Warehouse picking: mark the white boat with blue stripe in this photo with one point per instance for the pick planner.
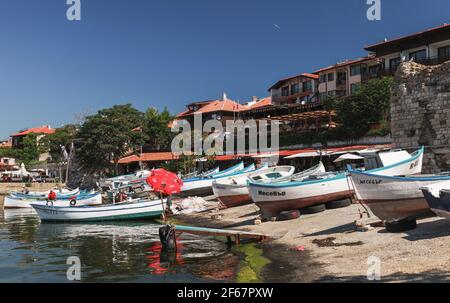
(393, 198)
(203, 186)
(130, 210)
(82, 199)
(273, 198)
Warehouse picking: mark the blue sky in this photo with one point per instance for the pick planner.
(167, 53)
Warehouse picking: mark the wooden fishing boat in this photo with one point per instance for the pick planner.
(131, 210)
(203, 186)
(273, 198)
(438, 198)
(196, 174)
(87, 199)
(393, 198)
(60, 193)
(233, 191)
(134, 189)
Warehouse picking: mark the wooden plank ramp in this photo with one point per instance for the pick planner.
(228, 233)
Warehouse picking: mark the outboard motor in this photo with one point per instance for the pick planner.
(168, 238)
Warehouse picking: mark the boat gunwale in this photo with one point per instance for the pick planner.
(338, 176)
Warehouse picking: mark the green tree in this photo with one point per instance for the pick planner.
(109, 135)
(30, 150)
(63, 136)
(156, 128)
(368, 106)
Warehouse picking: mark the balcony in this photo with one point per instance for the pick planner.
(291, 98)
(433, 60)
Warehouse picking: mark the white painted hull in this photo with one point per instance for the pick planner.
(288, 196)
(392, 198)
(11, 202)
(277, 197)
(203, 186)
(120, 211)
(234, 191)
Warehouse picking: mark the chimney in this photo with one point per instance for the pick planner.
(224, 97)
(255, 99)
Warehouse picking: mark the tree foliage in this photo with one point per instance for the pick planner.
(63, 136)
(156, 129)
(109, 135)
(368, 106)
(30, 150)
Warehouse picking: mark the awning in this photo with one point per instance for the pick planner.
(265, 156)
(348, 157)
(307, 155)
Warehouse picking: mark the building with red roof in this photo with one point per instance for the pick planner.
(221, 110)
(343, 78)
(40, 131)
(299, 89)
(429, 47)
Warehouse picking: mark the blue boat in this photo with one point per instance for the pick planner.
(438, 198)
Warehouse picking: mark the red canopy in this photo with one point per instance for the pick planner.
(164, 181)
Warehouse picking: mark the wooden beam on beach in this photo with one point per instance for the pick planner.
(228, 233)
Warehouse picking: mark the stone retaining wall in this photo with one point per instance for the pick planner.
(420, 112)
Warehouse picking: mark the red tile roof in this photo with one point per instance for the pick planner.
(226, 105)
(261, 103)
(148, 157)
(36, 130)
(442, 27)
(167, 156)
(345, 63)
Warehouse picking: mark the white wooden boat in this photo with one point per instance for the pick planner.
(43, 194)
(233, 191)
(82, 200)
(393, 198)
(437, 196)
(133, 210)
(203, 186)
(272, 198)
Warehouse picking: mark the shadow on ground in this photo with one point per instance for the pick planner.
(431, 276)
(346, 228)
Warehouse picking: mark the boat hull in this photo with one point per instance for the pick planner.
(115, 212)
(11, 202)
(272, 209)
(439, 205)
(203, 186)
(392, 198)
(274, 199)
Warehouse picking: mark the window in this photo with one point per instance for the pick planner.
(444, 52)
(330, 77)
(374, 71)
(285, 91)
(355, 70)
(295, 89)
(307, 86)
(353, 88)
(323, 78)
(394, 63)
(323, 96)
(422, 54)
